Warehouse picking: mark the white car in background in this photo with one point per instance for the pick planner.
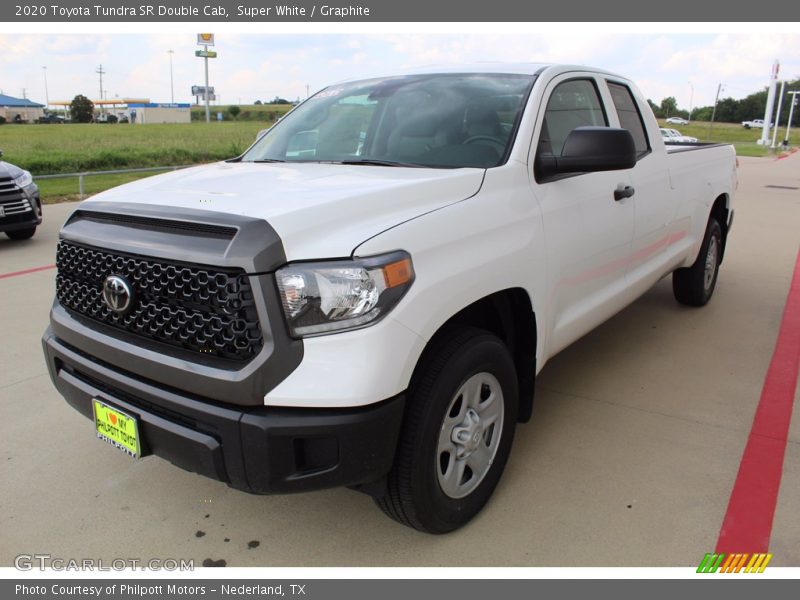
(755, 124)
(677, 121)
(673, 136)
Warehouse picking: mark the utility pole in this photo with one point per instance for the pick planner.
(691, 100)
(778, 115)
(306, 90)
(24, 93)
(46, 94)
(171, 83)
(714, 112)
(793, 94)
(100, 72)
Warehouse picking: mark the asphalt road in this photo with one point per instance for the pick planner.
(635, 443)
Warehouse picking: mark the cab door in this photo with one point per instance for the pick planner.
(588, 233)
(653, 250)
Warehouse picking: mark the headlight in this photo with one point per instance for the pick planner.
(23, 178)
(325, 297)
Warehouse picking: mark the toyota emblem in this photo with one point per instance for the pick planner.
(117, 294)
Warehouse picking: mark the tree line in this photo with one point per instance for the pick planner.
(730, 110)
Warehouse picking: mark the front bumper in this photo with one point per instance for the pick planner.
(261, 450)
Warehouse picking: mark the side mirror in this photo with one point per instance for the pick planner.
(1, 154)
(591, 149)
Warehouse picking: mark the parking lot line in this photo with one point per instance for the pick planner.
(747, 525)
(26, 271)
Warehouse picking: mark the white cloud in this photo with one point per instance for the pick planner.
(256, 66)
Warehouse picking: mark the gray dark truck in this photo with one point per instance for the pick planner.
(20, 204)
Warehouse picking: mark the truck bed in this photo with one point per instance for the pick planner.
(674, 147)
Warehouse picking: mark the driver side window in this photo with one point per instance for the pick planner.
(574, 103)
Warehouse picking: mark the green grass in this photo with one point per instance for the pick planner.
(744, 140)
(69, 148)
(72, 148)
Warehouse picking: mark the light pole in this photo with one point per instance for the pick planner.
(793, 94)
(46, 94)
(691, 100)
(778, 115)
(720, 87)
(773, 81)
(171, 83)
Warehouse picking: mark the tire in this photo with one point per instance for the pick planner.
(695, 285)
(436, 484)
(21, 234)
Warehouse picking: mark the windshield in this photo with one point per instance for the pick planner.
(443, 121)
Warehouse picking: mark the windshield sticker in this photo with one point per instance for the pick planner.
(328, 93)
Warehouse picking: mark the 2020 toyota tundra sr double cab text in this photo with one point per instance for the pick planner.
(364, 297)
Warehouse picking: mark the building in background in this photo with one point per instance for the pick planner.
(118, 107)
(20, 110)
(152, 112)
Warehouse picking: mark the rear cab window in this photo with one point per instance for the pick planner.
(629, 116)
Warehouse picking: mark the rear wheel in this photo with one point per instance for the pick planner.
(695, 285)
(21, 234)
(457, 433)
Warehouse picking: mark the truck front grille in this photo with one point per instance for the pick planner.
(12, 200)
(207, 310)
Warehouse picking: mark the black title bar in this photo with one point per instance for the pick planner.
(261, 11)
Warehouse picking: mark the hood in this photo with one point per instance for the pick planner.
(318, 210)
(6, 169)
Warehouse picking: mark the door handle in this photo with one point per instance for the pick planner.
(623, 192)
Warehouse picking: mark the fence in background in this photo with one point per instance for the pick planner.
(84, 174)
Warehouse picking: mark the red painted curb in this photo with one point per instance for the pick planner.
(26, 271)
(748, 521)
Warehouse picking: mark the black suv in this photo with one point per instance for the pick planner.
(20, 204)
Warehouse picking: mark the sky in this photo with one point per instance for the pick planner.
(686, 66)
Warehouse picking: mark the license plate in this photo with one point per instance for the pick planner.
(117, 428)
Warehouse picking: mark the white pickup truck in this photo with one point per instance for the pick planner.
(755, 124)
(364, 297)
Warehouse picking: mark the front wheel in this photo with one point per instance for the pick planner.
(695, 285)
(21, 234)
(457, 434)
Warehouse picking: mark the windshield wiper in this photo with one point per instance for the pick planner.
(268, 160)
(378, 163)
